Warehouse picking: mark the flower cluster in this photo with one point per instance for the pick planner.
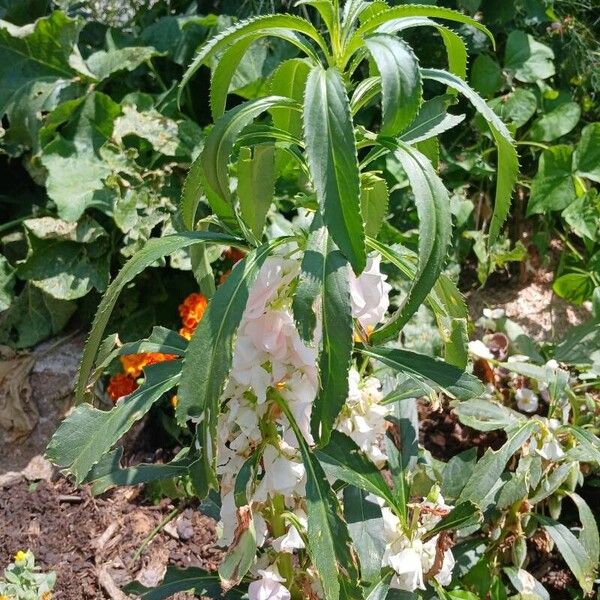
(191, 311)
(271, 360)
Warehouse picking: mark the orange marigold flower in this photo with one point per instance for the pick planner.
(134, 363)
(234, 254)
(120, 385)
(186, 332)
(191, 311)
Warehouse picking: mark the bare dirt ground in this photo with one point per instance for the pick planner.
(90, 542)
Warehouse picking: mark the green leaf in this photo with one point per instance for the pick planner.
(256, 185)
(573, 551)
(104, 63)
(108, 473)
(588, 536)
(176, 580)
(262, 26)
(587, 154)
(487, 472)
(240, 556)
(462, 516)
(486, 76)
(583, 215)
(38, 52)
(457, 472)
(552, 188)
(66, 260)
(337, 342)
(402, 445)
(528, 59)
(152, 251)
(508, 164)
(88, 433)
(526, 584)
(310, 281)
(331, 153)
(575, 287)
(400, 81)
(454, 382)
(32, 317)
(589, 442)
(365, 525)
(484, 415)
(556, 123)
(329, 543)
(435, 228)
(517, 107)
(7, 284)
(219, 143)
(374, 198)
(342, 459)
(431, 120)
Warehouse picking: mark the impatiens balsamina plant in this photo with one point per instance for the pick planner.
(313, 464)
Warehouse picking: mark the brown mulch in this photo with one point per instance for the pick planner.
(79, 536)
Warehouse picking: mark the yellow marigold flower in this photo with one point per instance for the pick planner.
(134, 363)
(20, 556)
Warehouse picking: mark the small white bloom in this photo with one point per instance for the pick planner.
(518, 358)
(282, 476)
(552, 364)
(407, 565)
(289, 542)
(369, 293)
(444, 577)
(494, 313)
(527, 400)
(478, 349)
(269, 586)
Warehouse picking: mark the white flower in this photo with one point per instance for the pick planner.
(282, 476)
(444, 577)
(527, 400)
(289, 542)
(269, 586)
(407, 565)
(369, 293)
(545, 442)
(494, 313)
(552, 364)
(518, 358)
(478, 349)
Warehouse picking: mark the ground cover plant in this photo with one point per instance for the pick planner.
(287, 378)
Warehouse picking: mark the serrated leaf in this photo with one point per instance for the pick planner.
(431, 120)
(256, 185)
(572, 550)
(454, 382)
(152, 251)
(88, 433)
(508, 164)
(587, 154)
(342, 459)
(556, 123)
(435, 228)
(400, 81)
(337, 343)
(331, 152)
(552, 187)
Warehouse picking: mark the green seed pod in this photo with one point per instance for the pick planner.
(555, 506)
(519, 552)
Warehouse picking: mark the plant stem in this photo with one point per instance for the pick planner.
(284, 560)
(156, 531)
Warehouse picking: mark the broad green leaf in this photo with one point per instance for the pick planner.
(587, 154)
(580, 345)
(310, 282)
(256, 185)
(528, 59)
(552, 188)
(556, 123)
(465, 514)
(454, 382)
(88, 433)
(32, 317)
(402, 446)
(329, 544)
(108, 472)
(575, 287)
(457, 472)
(517, 107)
(588, 536)
(337, 343)
(400, 81)
(262, 25)
(21, 12)
(104, 63)
(176, 580)
(374, 198)
(240, 555)
(66, 260)
(37, 52)
(365, 525)
(289, 80)
(431, 120)
(583, 215)
(486, 76)
(573, 551)
(342, 459)
(526, 584)
(331, 153)
(508, 164)
(487, 472)
(435, 228)
(484, 415)
(589, 442)
(219, 143)
(152, 251)
(551, 482)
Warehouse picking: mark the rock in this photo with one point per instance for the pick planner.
(38, 469)
(10, 478)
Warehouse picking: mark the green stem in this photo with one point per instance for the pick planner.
(534, 144)
(278, 527)
(156, 531)
(161, 83)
